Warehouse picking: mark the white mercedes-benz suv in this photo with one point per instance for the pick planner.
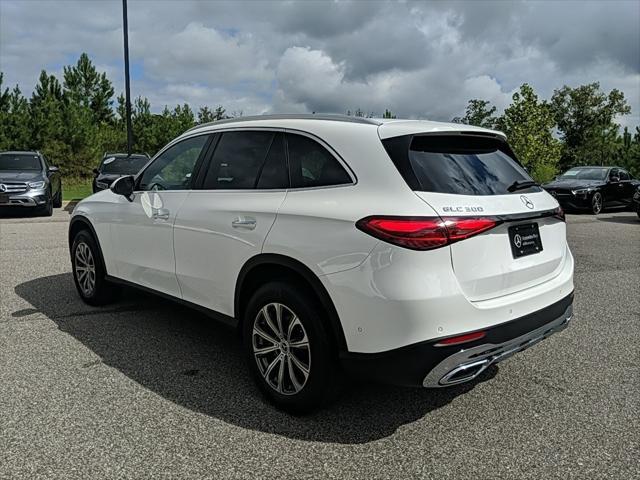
(413, 252)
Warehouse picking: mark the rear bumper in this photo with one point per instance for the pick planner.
(424, 364)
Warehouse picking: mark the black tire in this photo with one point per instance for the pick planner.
(319, 386)
(57, 201)
(102, 291)
(597, 203)
(47, 209)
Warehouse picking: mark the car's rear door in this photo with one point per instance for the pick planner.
(142, 228)
(225, 221)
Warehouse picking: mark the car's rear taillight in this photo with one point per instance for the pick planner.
(424, 233)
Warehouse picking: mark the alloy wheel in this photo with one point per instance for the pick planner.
(85, 269)
(281, 348)
(596, 203)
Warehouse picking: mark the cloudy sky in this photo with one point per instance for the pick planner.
(419, 59)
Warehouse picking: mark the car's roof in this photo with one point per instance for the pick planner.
(19, 152)
(604, 167)
(125, 155)
(386, 127)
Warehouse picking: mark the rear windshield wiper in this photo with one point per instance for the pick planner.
(521, 185)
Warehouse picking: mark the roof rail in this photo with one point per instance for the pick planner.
(293, 116)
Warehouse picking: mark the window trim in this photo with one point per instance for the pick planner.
(196, 167)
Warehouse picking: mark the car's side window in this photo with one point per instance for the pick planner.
(623, 175)
(274, 173)
(238, 160)
(613, 173)
(173, 169)
(311, 165)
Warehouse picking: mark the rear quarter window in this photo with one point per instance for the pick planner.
(457, 164)
(311, 165)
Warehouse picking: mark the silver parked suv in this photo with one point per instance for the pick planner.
(28, 180)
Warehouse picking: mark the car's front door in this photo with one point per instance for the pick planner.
(142, 230)
(613, 189)
(627, 189)
(225, 221)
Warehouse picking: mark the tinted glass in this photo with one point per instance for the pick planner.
(312, 165)
(464, 165)
(624, 175)
(274, 172)
(123, 165)
(237, 160)
(589, 173)
(19, 161)
(173, 169)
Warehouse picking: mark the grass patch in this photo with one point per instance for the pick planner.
(76, 188)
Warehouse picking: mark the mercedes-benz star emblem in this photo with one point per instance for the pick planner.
(527, 203)
(3, 187)
(517, 240)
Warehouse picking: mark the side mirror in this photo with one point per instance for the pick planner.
(124, 186)
(614, 179)
(53, 169)
(96, 171)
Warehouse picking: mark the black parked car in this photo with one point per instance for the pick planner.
(27, 179)
(593, 188)
(636, 200)
(115, 165)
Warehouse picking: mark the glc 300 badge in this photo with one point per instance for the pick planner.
(463, 209)
(527, 203)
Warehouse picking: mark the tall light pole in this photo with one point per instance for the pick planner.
(127, 88)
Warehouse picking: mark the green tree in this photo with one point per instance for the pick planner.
(478, 113)
(529, 125)
(46, 115)
(388, 114)
(585, 116)
(14, 119)
(85, 86)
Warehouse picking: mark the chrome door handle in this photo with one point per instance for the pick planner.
(161, 214)
(246, 223)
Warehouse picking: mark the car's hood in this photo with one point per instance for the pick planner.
(570, 183)
(16, 176)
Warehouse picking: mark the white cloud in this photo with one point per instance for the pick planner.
(419, 59)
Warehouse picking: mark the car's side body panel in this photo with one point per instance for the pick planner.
(215, 234)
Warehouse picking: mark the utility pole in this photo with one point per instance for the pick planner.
(127, 88)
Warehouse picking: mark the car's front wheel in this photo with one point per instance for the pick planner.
(46, 210)
(89, 274)
(597, 203)
(288, 347)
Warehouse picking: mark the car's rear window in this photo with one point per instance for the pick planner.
(123, 165)
(459, 164)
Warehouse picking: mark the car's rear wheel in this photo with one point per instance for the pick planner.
(597, 203)
(89, 274)
(288, 348)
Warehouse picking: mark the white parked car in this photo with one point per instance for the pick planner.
(413, 252)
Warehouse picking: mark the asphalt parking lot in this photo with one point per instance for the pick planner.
(149, 389)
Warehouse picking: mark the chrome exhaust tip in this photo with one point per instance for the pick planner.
(464, 373)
